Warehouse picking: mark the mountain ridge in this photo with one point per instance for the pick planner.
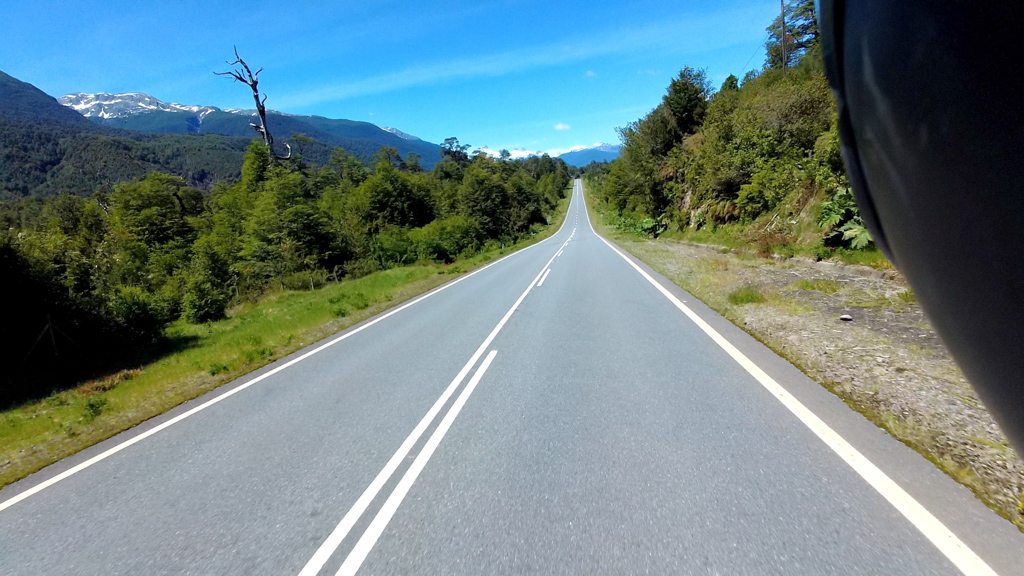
(599, 152)
(140, 112)
(578, 155)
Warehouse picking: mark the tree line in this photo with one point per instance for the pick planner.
(93, 280)
(761, 152)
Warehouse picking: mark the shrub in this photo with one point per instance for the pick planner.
(392, 247)
(767, 187)
(305, 280)
(94, 407)
(136, 310)
(647, 227)
(362, 267)
(444, 240)
(203, 302)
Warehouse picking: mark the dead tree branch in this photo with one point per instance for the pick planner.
(252, 80)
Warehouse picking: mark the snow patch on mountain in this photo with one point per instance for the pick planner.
(516, 154)
(603, 147)
(104, 105)
(400, 134)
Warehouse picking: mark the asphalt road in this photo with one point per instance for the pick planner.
(562, 411)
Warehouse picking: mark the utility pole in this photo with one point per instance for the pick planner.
(782, 15)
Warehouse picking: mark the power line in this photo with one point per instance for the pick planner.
(755, 52)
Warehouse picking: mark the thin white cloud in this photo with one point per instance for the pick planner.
(562, 126)
(668, 35)
(591, 74)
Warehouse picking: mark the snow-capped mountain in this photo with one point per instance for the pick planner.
(516, 153)
(105, 105)
(400, 134)
(583, 155)
(578, 155)
(140, 112)
(599, 146)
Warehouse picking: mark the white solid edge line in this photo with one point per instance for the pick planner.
(942, 537)
(380, 521)
(110, 452)
(340, 532)
(544, 277)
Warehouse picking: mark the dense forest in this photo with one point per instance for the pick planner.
(758, 157)
(44, 158)
(97, 278)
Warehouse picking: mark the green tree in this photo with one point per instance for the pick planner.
(451, 148)
(731, 84)
(388, 155)
(393, 198)
(485, 198)
(801, 34)
(687, 99)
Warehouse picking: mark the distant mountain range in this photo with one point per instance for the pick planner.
(576, 156)
(87, 142)
(48, 149)
(107, 106)
(143, 113)
(583, 155)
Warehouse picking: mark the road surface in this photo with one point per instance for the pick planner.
(564, 410)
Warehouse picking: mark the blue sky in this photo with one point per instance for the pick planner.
(505, 74)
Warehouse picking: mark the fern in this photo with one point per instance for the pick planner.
(856, 234)
(842, 223)
(837, 210)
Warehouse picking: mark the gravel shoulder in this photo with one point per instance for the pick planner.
(886, 361)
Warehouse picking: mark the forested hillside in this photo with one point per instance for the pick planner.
(97, 278)
(361, 139)
(48, 149)
(754, 162)
(46, 159)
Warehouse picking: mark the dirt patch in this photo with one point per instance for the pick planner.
(887, 362)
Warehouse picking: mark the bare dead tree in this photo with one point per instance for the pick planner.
(252, 80)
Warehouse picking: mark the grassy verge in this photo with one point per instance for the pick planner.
(39, 433)
(736, 237)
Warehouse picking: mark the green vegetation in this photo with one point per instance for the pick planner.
(47, 149)
(754, 164)
(826, 286)
(99, 278)
(746, 295)
(256, 330)
(41, 158)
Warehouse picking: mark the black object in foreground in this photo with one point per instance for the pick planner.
(932, 132)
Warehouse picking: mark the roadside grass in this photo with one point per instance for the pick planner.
(746, 295)
(907, 297)
(898, 300)
(39, 433)
(826, 286)
(739, 237)
(701, 279)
